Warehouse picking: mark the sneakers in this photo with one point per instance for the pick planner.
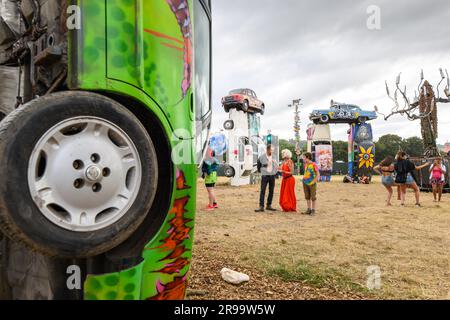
(215, 205)
(210, 208)
(269, 208)
(310, 212)
(261, 209)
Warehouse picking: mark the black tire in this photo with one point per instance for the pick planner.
(20, 218)
(229, 172)
(5, 289)
(263, 110)
(226, 108)
(245, 106)
(324, 119)
(228, 125)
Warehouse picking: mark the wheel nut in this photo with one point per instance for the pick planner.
(78, 184)
(97, 187)
(78, 164)
(95, 158)
(106, 172)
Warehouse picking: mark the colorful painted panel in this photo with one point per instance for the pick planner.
(163, 274)
(144, 49)
(324, 160)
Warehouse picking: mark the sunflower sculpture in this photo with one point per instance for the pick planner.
(366, 157)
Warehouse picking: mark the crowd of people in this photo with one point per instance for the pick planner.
(396, 172)
(269, 169)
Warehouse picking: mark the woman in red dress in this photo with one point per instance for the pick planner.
(288, 201)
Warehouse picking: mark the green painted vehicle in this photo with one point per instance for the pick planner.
(102, 148)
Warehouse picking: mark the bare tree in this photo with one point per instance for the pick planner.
(423, 108)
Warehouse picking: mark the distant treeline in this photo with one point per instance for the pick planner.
(387, 145)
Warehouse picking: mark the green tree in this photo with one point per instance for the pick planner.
(340, 151)
(388, 145)
(413, 146)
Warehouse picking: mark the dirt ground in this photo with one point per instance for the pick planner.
(294, 256)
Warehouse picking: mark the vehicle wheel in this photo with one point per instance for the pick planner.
(228, 125)
(324, 118)
(244, 106)
(81, 174)
(226, 108)
(229, 172)
(263, 109)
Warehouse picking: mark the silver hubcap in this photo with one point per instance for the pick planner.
(93, 173)
(84, 174)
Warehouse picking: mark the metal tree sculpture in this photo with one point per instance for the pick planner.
(424, 108)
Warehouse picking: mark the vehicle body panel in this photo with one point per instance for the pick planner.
(144, 50)
(342, 113)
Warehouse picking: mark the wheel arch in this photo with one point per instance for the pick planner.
(154, 221)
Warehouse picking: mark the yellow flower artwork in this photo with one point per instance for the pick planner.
(366, 158)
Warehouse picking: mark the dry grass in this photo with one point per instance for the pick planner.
(352, 230)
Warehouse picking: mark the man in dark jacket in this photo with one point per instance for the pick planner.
(268, 168)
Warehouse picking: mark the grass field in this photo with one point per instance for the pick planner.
(293, 256)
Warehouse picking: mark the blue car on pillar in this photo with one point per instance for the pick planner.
(342, 113)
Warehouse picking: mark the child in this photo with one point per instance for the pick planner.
(209, 170)
(310, 179)
(437, 178)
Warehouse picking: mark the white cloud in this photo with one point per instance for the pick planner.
(322, 50)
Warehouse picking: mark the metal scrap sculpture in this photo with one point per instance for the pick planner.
(423, 108)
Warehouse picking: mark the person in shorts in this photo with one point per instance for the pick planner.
(386, 169)
(209, 172)
(437, 178)
(310, 179)
(404, 178)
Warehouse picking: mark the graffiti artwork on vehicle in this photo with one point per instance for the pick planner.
(175, 259)
(181, 10)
